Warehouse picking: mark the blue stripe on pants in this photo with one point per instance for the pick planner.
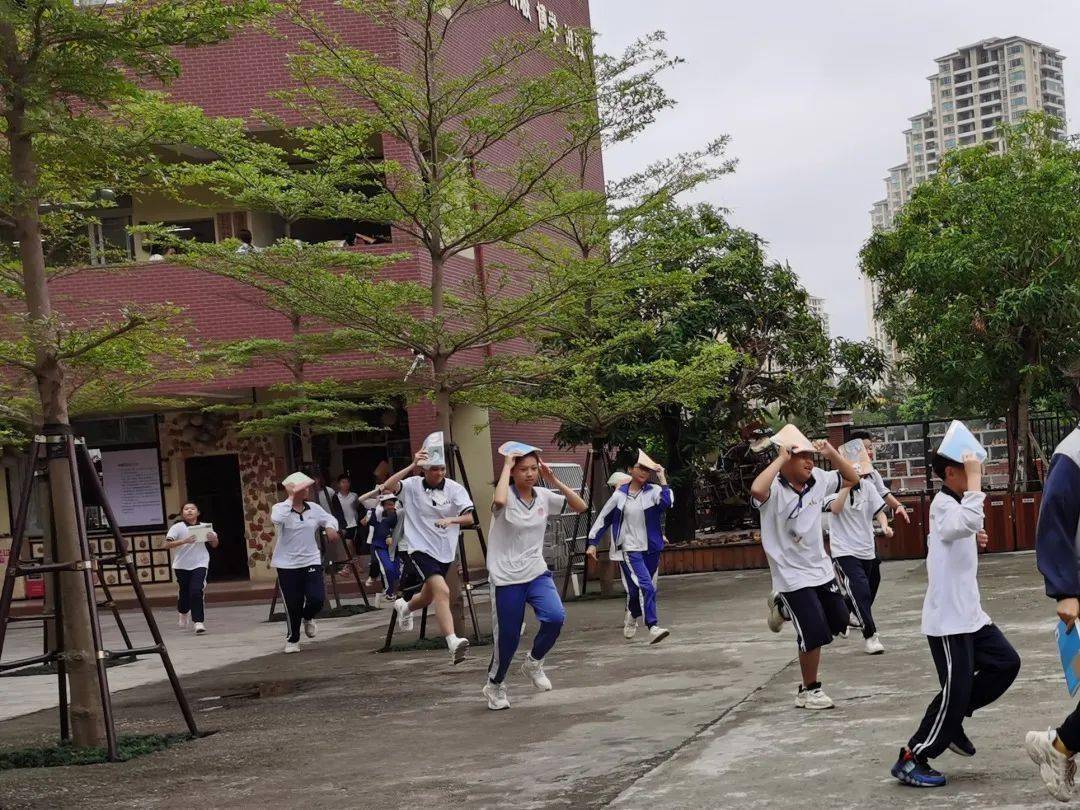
(389, 568)
(639, 572)
(508, 612)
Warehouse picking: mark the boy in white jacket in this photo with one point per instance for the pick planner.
(975, 662)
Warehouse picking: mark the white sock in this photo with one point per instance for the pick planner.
(452, 640)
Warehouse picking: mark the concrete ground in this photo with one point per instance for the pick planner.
(704, 720)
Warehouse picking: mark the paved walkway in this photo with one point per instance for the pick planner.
(704, 720)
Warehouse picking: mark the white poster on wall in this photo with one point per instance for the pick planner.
(132, 480)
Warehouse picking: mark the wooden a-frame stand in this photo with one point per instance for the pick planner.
(59, 443)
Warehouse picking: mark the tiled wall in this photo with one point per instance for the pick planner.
(901, 455)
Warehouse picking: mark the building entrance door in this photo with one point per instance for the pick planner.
(213, 484)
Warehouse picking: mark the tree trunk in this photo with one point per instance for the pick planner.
(442, 415)
(680, 525)
(605, 569)
(87, 718)
(1023, 429)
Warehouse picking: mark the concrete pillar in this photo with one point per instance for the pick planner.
(472, 434)
(836, 425)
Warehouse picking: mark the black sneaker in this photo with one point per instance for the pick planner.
(962, 745)
(916, 771)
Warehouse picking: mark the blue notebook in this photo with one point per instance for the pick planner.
(1069, 646)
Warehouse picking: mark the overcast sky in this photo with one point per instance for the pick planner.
(815, 96)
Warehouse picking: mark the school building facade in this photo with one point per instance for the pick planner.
(154, 462)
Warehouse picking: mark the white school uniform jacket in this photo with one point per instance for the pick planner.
(423, 506)
(791, 532)
(952, 605)
(296, 545)
(851, 533)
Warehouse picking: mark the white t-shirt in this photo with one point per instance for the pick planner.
(791, 532)
(632, 532)
(952, 604)
(189, 557)
(879, 483)
(516, 537)
(296, 546)
(851, 533)
(423, 507)
(348, 506)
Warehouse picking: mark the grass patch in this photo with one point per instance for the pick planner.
(432, 644)
(128, 746)
(331, 613)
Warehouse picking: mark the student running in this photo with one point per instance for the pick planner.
(790, 495)
(298, 559)
(634, 514)
(436, 509)
(517, 570)
(190, 562)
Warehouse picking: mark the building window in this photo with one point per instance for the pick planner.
(1019, 101)
(948, 105)
(1015, 49)
(946, 93)
(1015, 63)
(950, 143)
(946, 80)
(1016, 76)
(950, 130)
(947, 119)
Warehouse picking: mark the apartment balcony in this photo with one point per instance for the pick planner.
(986, 98)
(967, 128)
(990, 109)
(989, 70)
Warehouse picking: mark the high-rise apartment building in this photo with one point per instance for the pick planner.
(817, 309)
(975, 89)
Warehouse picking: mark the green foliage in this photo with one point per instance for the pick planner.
(129, 747)
(980, 277)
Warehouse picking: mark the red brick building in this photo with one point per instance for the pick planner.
(202, 458)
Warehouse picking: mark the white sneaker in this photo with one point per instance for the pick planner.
(776, 618)
(813, 699)
(379, 598)
(535, 670)
(310, 628)
(874, 645)
(200, 628)
(1058, 771)
(496, 696)
(404, 615)
(459, 650)
(657, 634)
(629, 626)
(292, 646)
(853, 620)
(369, 582)
(182, 621)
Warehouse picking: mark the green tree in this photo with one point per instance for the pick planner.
(464, 173)
(980, 280)
(710, 284)
(307, 405)
(73, 122)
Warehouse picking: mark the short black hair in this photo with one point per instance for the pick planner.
(344, 477)
(865, 435)
(941, 463)
(244, 235)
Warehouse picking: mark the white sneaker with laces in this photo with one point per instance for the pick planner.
(292, 646)
(776, 618)
(496, 696)
(182, 621)
(534, 670)
(379, 598)
(813, 699)
(369, 582)
(200, 628)
(657, 634)
(405, 618)
(1058, 771)
(853, 620)
(310, 628)
(629, 627)
(874, 645)
(459, 650)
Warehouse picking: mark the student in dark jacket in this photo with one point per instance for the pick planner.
(1057, 540)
